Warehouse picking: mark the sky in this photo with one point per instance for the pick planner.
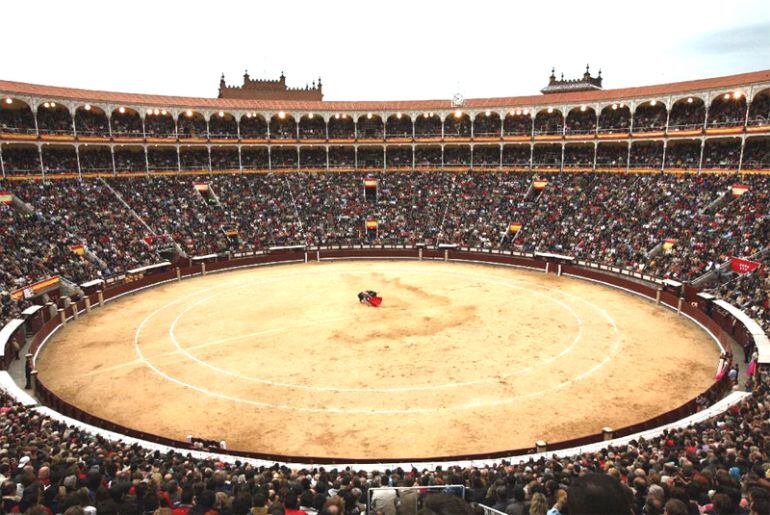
(378, 50)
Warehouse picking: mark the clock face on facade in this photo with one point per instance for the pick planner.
(458, 100)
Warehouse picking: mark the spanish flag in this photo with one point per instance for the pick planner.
(371, 224)
(6, 197)
(201, 186)
(739, 189)
(230, 232)
(370, 183)
(669, 243)
(79, 249)
(514, 227)
(35, 289)
(539, 184)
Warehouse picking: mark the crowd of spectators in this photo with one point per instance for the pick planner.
(727, 110)
(749, 291)
(52, 118)
(721, 466)
(650, 117)
(687, 114)
(615, 118)
(581, 120)
(91, 122)
(619, 219)
(720, 153)
(717, 467)
(549, 122)
(683, 154)
(759, 110)
(756, 154)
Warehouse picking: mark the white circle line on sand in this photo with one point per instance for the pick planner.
(184, 351)
(507, 400)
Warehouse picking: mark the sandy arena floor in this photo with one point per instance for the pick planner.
(459, 359)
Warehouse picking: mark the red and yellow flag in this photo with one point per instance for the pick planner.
(514, 227)
(36, 288)
(739, 189)
(78, 249)
(539, 184)
(370, 183)
(371, 224)
(6, 197)
(201, 186)
(669, 243)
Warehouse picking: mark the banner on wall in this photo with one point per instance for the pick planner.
(743, 266)
(36, 289)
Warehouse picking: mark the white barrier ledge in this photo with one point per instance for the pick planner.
(147, 268)
(92, 283)
(761, 341)
(19, 395)
(288, 247)
(31, 310)
(207, 256)
(7, 331)
(554, 256)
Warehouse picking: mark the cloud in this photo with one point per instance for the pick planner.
(748, 38)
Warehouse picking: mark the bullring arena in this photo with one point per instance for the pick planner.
(284, 360)
(302, 300)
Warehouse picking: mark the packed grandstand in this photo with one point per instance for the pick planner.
(668, 182)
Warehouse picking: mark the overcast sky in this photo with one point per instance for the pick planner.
(378, 50)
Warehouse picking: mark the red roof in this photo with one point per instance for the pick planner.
(134, 99)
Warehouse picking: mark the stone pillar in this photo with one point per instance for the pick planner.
(679, 305)
(419, 253)
(541, 446)
(203, 268)
(52, 311)
(178, 274)
(657, 296)
(75, 310)
(607, 433)
(33, 380)
(101, 298)
(88, 304)
(62, 316)
(446, 255)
